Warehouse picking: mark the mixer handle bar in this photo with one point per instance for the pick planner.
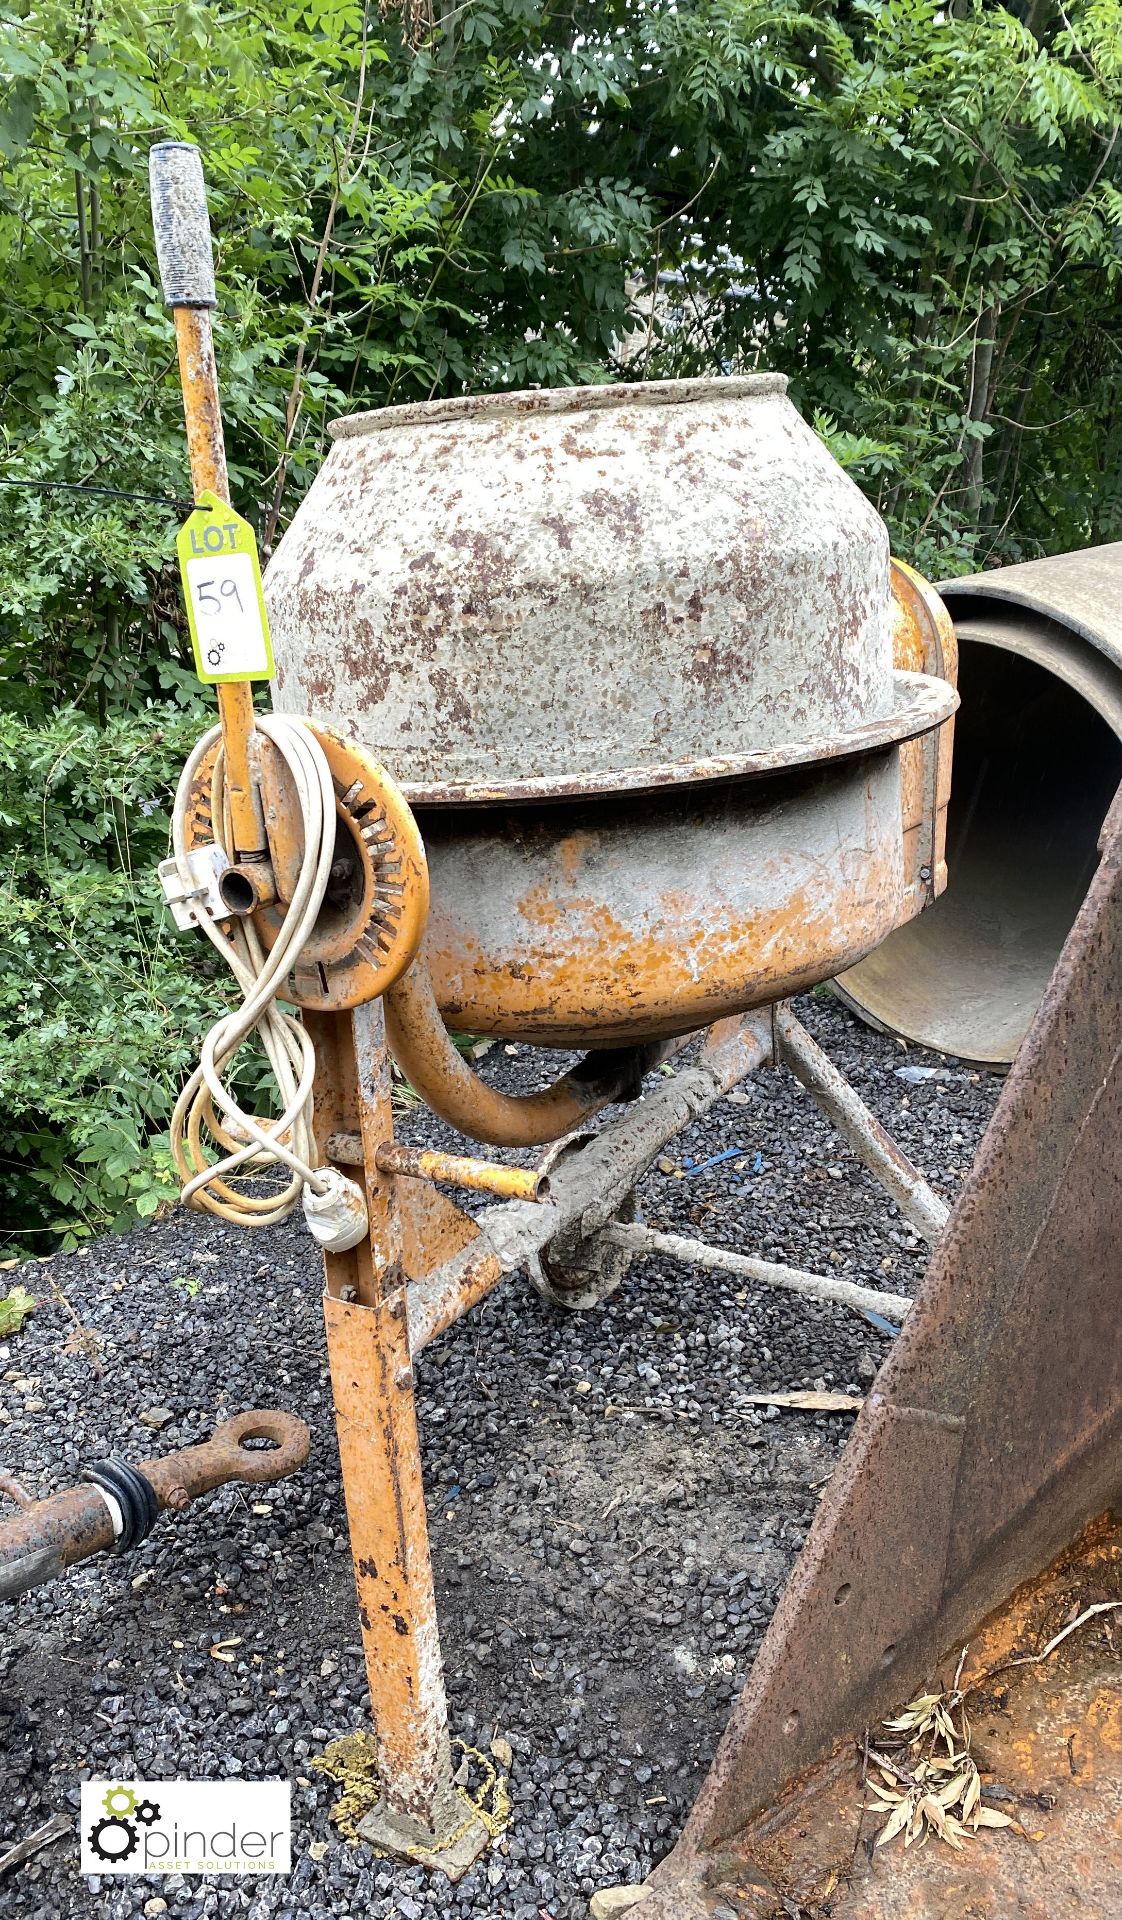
(419, 1041)
(181, 224)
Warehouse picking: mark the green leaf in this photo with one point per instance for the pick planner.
(14, 1309)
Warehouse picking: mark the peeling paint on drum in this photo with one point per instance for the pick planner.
(559, 586)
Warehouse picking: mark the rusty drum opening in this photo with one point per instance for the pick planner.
(1037, 761)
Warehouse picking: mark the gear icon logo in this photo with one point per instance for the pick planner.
(115, 1838)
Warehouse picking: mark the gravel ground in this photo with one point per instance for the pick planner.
(611, 1522)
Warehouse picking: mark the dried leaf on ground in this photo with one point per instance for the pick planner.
(912, 1788)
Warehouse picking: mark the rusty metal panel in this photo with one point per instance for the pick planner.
(993, 1433)
(1048, 1737)
(566, 585)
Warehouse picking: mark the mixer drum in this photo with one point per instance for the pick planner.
(628, 650)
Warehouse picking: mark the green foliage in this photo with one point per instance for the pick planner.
(99, 1006)
(914, 210)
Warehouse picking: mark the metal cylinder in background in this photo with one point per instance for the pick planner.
(1037, 761)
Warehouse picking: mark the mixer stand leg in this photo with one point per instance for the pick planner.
(420, 1815)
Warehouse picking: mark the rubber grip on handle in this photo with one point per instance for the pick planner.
(181, 224)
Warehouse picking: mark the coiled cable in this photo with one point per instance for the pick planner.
(334, 1206)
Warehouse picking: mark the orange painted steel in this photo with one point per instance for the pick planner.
(621, 919)
(923, 641)
(379, 1451)
(420, 1044)
(203, 415)
(376, 906)
(459, 1170)
(433, 1228)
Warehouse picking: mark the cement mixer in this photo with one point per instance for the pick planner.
(602, 720)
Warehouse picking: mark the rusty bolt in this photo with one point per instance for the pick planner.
(177, 1498)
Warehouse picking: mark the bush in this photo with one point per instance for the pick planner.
(102, 1002)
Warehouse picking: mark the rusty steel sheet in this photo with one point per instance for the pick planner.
(47, 1536)
(575, 584)
(1045, 1734)
(992, 1434)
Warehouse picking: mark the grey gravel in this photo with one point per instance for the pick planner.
(611, 1522)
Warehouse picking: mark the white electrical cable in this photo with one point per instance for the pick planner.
(333, 1205)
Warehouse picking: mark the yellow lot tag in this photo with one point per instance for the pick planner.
(222, 587)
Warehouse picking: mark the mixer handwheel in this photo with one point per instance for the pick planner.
(374, 912)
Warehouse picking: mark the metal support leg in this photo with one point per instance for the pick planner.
(420, 1813)
(918, 1202)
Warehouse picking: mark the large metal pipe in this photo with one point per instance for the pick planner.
(1037, 761)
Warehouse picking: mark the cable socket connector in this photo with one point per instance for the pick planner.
(192, 882)
(336, 1218)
